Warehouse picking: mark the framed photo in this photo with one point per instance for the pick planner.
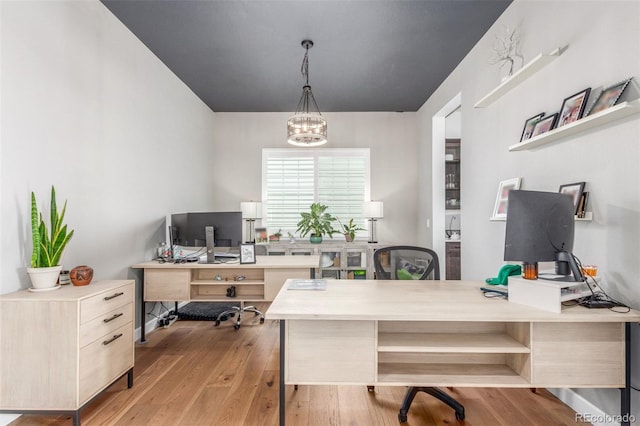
(609, 96)
(573, 107)
(544, 125)
(529, 125)
(247, 253)
(574, 190)
(502, 199)
(261, 236)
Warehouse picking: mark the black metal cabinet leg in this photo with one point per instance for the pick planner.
(76, 418)
(130, 378)
(142, 312)
(625, 392)
(282, 387)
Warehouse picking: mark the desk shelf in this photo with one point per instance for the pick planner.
(443, 374)
(448, 342)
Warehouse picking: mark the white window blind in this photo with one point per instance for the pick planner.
(295, 178)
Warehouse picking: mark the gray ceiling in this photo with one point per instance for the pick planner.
(386, 55)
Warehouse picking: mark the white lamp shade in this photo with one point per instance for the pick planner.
(373, 209)
(251, 210)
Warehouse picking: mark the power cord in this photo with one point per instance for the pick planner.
(598, 299)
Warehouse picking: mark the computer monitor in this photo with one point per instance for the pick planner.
(189, 228)
(540, 228)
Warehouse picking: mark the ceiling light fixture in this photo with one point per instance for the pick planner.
(307, 127)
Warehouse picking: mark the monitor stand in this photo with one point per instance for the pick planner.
(566, 268)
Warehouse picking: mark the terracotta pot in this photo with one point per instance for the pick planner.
(81, 275)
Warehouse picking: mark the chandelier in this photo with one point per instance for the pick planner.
(307, 127)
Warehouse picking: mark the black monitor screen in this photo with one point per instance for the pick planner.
(540, 225)
(189, 228)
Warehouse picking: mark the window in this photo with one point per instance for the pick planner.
(293, 179)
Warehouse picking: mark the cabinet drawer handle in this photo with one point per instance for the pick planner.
(117, 336)
(114, 296)
(113, 317)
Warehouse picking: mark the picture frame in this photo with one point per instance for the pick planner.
(261, 236)
(574, 190)
(529, 124)
(247, 253)
(573, 107)
(502, 198)
(609, 96)
(544, 125)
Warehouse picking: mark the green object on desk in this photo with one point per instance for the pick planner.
(504, 273)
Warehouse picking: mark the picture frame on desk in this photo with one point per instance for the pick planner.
(247, 253)
(261, 236)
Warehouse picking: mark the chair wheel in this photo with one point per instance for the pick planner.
(217, 323)
(459, 416)
(402, 418)
(261, 320)
(236, 326)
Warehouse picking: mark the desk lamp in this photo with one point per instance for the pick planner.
(251, 210)
(373, 211)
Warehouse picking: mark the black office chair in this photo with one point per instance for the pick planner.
(412, 263)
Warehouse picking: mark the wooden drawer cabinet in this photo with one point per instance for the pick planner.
(60, 348)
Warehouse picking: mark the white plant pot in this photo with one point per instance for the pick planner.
(43, 278)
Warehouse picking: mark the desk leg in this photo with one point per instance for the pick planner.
(142, 311)
(625, 392)
(312, 273)
(282, 386)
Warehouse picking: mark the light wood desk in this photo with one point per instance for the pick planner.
(196, 282)
(444, 333)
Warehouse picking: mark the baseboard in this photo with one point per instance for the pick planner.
(581, 406)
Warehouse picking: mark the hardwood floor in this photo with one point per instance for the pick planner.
(193, 373)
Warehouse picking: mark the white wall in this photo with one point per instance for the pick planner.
(603, 39)
(392, 137)
(88, 108)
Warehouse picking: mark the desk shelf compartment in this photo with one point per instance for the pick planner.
(458, 353)
(205, 286)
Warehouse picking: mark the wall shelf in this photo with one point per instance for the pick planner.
(518, 77)
(608, 115)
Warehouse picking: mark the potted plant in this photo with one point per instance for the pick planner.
(47, 246)
(275, 237)
(349, 230)
(317, 222)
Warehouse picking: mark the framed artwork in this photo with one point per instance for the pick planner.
(247, 253)
(261, 236)
(609, 96)
(529, 125)
(544, 125)
(573, 107)
(574, 190)
(502, 199)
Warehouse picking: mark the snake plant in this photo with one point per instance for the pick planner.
(48, 247)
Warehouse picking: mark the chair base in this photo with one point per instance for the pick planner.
(239, 310)
(412, 391)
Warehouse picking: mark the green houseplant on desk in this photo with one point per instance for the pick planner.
(317, 222)
(47, 247)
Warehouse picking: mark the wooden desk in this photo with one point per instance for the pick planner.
(444, 333)
(194, 282)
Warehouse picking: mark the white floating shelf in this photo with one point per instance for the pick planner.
(588, 216)
(608, 115)
(518, 77)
